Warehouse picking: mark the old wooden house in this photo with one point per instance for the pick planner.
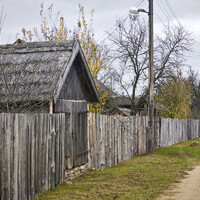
(45, 77)
(50, 77)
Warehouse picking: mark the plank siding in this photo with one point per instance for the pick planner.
(77, 86)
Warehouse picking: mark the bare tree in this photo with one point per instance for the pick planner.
(171, 51)
(130, 57)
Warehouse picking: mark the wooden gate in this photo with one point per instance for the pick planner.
(80, 139)
(76, 139)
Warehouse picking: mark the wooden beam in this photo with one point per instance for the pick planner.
(51, 106)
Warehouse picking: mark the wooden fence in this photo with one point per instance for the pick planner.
(173, 131)
(36, 149)
(113, 139)
(31, 154)
(76, 138)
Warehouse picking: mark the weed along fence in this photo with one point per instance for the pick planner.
(36, 149)
(31, 154)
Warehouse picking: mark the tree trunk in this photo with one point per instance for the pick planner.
(133, 110)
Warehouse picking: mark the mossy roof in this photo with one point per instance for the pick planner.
(37, 71)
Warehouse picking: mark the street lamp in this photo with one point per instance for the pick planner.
(135, 11)
(150, 130)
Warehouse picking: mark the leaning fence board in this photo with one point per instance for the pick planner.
(115, 141)
(119, 152)
(134, 132)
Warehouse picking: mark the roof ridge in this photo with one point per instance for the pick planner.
(30, 47)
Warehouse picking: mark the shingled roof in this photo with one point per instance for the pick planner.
(37, 71)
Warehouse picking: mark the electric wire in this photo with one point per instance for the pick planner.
(108, 35)
(166, 14)
(159, 18)
(165, 10)
(138, 3)
(172, 11)
(172, 18)
(161, 6)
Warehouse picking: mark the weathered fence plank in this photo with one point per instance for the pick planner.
(115, 141)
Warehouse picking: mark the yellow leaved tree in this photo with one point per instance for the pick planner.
(175, 97)
(54, 28)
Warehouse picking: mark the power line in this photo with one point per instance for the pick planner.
(168, 13)
(162, 7)
(159, 17)
(172, 11)
(137, 4)
(165, 13)
(112, 30)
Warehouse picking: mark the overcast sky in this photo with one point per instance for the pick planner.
(25, 13)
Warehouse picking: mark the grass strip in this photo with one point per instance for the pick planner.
(140, 178)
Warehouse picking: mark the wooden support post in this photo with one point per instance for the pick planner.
(51, 106)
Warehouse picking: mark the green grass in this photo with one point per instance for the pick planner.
(143, 177)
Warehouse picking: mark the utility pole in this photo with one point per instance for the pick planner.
(150, 128)
(150, 131)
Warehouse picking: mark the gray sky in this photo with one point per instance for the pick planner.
(25, 13)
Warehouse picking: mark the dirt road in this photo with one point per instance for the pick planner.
(187, 189)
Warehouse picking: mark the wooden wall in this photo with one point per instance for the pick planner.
(77, 85)
(69, 106)
(31, 154)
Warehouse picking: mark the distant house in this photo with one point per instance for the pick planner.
(47, 77)
(119, 104)
(122, 105)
